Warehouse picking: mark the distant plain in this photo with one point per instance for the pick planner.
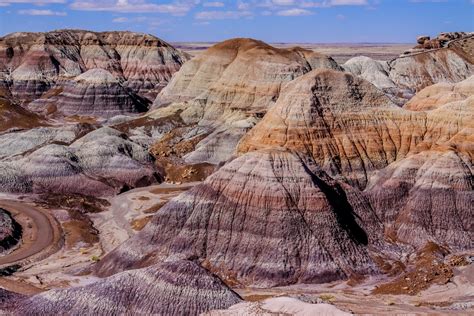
(341, 52)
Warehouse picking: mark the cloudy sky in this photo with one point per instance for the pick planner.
(313, 21)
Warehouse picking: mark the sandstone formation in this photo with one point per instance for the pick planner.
(94, 93)
(348, 126)
(420, 70)
(103, 162)
(230, 86)
(32, 63)
(427, 197)
(267, 218)
(440, 94)
(171, 288)
(14, 117)
(10, 231)
(413, 71)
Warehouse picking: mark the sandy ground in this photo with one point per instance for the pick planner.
(455, 297)
(130, 211)
(340, 52)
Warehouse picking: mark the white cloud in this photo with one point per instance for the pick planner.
(222, 15)
(215, 4)
(121, 20)
(4, 3)
(241, 5)
(346, 2)
(42, 12)
(294, 12)
(340, 17)
(283, 2)
(174, 8)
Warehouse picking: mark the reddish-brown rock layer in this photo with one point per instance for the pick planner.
(14, 117)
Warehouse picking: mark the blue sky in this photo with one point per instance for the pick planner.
(315, 21)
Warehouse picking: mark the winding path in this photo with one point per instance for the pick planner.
(41, 232)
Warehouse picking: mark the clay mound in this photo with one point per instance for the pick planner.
(346, 124)
(426, 197)
(10, 231)
(350, 128)
(39, 60)
(229, 87)
(103, 162)
(15, 117)
(94, 93)
(374, 71)
(440, 94)
(171, 288)
(267, 218)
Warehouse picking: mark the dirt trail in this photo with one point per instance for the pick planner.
(38, 230)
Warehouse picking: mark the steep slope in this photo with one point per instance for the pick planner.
(171, 288)
(95, 93)
(346, 124)
(228, 88)
(31, 63)
(416, 167)
(427, 197)
(267, 218)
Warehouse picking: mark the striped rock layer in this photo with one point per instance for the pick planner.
(171, 288)
(103, 162)
(94, 93)
(407, 74)
(31, 63)
(267, 218)
(229, 87)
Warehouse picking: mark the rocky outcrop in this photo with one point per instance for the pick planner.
(32, 63)
(267, 218)
(10, 231)
(171, 288)
(103, 162)
(442, 40)
(94, 93)
(231, 86)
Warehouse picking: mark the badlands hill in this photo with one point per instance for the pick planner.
(359, 174)
(228, 88)
(33, 63)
